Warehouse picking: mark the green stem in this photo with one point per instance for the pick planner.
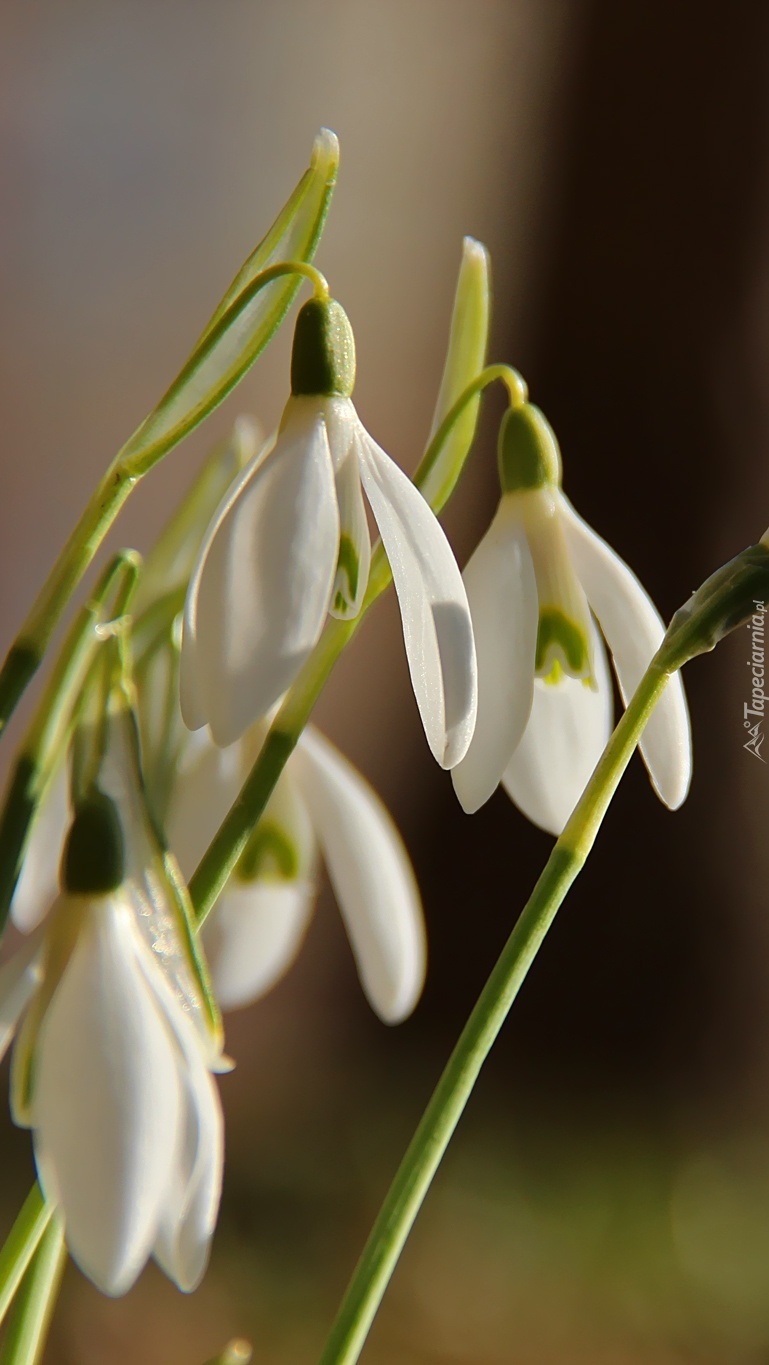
(52, 721)
(425, 1152)
(140, 454)
(34, 1303)
(21, 1245)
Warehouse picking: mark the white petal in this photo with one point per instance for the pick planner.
(502, 592)
(568, 729)
(371, 875)
(38, 884)
(259, 594)
(189, 1214)
(634, 630)
(436, 618)
(253, 935)
(19, 979)
(106, 1102)
(207, 781)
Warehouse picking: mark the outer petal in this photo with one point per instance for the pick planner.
(371, 875)
(38, 884)
(502, 592)
(106, 1102)
(259, 594)
(437, 629)
(192, 1203)
(567, 732)
(20, 977)
(253, 936)
(207, 781)
(634, 630)
(191, 1206)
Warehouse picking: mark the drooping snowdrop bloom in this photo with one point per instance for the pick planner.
(290, 541)
(320, 804)
(537, 584)
(112, 1067)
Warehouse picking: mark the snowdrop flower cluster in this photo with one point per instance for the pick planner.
(113, 1057)
(290, 542)
(537, 583)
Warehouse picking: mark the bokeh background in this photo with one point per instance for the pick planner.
(606, 1198)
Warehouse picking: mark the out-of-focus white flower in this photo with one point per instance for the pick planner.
(290, 542)
(535, 583)
(112, 1066)
(258, 923)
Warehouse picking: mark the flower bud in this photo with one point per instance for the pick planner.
(323, 357)
(527, 452)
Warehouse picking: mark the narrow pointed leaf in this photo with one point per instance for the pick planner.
(245, 320)
(465, 358)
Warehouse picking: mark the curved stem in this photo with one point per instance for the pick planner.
(425, 1152)
(21, 1244)
(34, 1303)
(140, 454)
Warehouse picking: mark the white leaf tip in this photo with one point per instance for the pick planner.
(325, 151)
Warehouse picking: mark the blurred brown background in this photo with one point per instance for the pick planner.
(607, 1195)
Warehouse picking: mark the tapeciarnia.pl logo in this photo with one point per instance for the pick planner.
(754, 710)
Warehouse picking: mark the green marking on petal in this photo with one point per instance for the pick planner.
(269, 852)
(348, 564)
(560, 645)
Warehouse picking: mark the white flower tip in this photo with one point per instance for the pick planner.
(325, 152)
(672, 780)
(470, 794)
(475, 253)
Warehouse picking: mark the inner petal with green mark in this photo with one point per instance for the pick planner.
(563, 635)
(347, 577)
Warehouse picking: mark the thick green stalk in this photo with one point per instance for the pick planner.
(21, 1244)
(425, 1152)
(34, 1303)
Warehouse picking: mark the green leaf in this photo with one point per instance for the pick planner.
(246, 318)
(465, 359)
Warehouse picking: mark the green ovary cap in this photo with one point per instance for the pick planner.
(323, 358)
(94, 861)
(527, 452)
(561, 645)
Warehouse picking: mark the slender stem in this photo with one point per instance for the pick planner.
(52, 720)
(140, 453)
(425, 1152)
(31, 1314)
(21, 1244)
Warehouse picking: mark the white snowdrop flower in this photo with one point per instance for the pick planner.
(112, 1068)
(537, 583)
(290, 541)
(319, 804)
